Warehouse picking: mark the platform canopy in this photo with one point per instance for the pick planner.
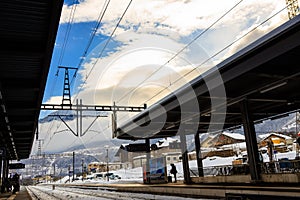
(265, 74)
(27, 35)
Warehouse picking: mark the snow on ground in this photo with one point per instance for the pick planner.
(135, 175)
(86, 194)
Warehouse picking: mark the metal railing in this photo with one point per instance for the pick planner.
(277, 167)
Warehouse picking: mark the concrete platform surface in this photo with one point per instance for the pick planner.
(21, 195)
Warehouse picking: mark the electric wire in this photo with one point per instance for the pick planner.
(99, 20)
(217, 53)
(69, 27)
(180, 51)
(107, 41)
(175, 55)
(211, 56)
(223, 49)
(65, 41)
(164, 63)
(104, 47)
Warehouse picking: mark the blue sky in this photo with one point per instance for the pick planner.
(139, 60)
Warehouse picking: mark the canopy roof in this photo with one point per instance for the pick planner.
(27, 34)
(266, 74)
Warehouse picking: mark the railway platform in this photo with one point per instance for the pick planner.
(21, 195)
(228, 192)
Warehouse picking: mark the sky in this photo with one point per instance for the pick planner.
(158, 46)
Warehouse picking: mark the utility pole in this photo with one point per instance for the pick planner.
(73, 166)
(107, 166)
(82, 171)
(69, 168)
(54, 170)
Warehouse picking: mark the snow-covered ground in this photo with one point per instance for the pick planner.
(135, 175)
(46, 192)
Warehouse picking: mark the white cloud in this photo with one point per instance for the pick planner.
(151, 33)
(180, 16)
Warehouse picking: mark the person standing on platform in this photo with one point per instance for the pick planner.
(15, 183)
(174, 171)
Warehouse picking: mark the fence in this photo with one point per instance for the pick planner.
(281, 166)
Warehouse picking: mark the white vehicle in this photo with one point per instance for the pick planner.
(98, 175)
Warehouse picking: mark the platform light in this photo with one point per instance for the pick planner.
(6, 120)
(273, 87)
(3, 108)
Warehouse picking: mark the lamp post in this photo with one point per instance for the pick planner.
(82, 170)
(69, 171)
(107, 167)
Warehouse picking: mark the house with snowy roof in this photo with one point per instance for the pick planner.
(279, 141)
(227, 138)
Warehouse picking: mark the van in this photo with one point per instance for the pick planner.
(98, 175)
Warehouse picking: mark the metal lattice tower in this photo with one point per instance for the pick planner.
(39, 153)
(293, 8)
(66, 90)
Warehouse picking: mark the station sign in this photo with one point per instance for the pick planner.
(2, 152)
(139, 147)
(16, 166)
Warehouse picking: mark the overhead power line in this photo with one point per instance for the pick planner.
(180, 51)
(217, 53)
(69, 27)
(100, 17)
(99, 20)
(104, 47)
(220, 51)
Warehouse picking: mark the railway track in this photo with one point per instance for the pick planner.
(39, 194)
(90, 193)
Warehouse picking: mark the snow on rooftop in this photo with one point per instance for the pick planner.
(264, 136)
(236, 136)
(241, 145)
(166, 142)
(139, 157)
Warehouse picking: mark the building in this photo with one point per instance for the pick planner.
(226, 138)
(280, 142)
(126, 156)
(102, 167)
(172, 157)
(139, 161)
(223, 144)
(129, 158)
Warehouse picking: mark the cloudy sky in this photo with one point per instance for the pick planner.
(158, 46)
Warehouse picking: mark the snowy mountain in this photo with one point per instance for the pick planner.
(69, 115)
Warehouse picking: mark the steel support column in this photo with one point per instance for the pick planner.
(1, 168)
(1, 174)
(199, 155)
(73, 166)
(148, 156)
(4, 173)
(251, 142)
(185, 160)
(6, 161)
